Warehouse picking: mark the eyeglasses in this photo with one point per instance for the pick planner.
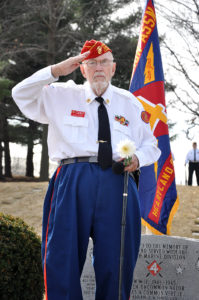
(93, 63)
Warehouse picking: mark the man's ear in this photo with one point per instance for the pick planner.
(82, 71)
(113, 69)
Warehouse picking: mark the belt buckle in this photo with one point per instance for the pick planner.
(93, 159)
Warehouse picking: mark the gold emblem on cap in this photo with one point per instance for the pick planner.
(99, 49)
(88, 100)
(107, 101)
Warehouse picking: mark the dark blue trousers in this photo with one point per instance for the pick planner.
(193, 166)
(85, 201)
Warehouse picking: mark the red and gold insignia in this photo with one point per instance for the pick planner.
(145, 116)
(99, 50)
(122, 120)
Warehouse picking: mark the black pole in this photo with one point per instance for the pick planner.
(123, 227)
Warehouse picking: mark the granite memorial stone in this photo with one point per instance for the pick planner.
(167, 269)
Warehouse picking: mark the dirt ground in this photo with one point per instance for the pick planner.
(25, 200)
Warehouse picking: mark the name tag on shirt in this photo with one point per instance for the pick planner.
(78, 113)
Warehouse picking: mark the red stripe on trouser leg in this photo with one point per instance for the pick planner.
(45, 276)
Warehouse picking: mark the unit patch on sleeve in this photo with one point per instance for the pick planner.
(145, 116)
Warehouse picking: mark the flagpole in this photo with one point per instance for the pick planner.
(123, 228)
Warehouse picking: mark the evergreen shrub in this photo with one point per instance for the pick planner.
(21, 276)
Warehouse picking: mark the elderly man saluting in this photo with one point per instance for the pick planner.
(84, 197)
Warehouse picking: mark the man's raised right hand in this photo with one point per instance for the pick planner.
(68, 66)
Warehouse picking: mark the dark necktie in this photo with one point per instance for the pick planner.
(194, 155)
(104, 136)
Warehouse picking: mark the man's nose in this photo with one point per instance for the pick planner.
(99, 66)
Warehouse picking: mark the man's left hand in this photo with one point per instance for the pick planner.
(134, 164)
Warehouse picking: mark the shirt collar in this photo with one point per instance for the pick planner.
(90, 95)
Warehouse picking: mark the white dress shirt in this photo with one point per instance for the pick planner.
(71, 112)
(190, 156)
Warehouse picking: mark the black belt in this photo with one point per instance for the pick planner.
(93, 159)
(194, 161)
(90, 159)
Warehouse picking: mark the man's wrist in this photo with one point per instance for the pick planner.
(55, 71)
(138, 163)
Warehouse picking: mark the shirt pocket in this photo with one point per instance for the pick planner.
(120, 132)
(76, 129)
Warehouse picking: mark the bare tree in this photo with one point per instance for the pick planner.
(182, 47)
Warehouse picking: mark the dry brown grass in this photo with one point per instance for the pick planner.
(25, 200)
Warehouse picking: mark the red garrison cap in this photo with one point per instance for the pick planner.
(96, 48)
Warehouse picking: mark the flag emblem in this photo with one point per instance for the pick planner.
(149, 71)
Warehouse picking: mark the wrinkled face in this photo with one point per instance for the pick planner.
(99, 71)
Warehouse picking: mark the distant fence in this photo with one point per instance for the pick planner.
(18, 165)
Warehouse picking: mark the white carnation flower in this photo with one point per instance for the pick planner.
(126, 148)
